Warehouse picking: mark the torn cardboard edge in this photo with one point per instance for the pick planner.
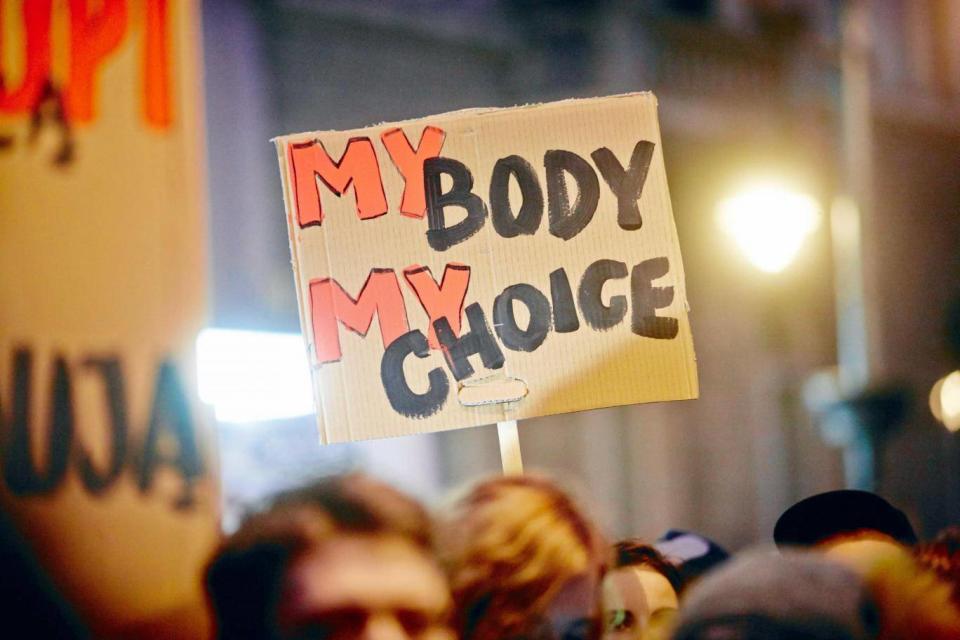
(459, 114)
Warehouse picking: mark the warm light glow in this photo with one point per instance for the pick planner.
(935, 407)
(769, 223)
(945, 401)
(252, 376)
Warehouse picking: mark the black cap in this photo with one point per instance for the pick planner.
(828, 514)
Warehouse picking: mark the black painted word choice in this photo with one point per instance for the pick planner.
(563, 318)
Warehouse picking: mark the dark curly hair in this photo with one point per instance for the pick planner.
(244, 578)
(942, 556)
(633, 552)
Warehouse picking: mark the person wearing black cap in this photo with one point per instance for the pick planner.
(856, 527)
(866, 533)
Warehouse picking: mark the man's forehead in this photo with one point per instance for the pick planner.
(621, 588)
(367, 571)
(621, 578)
(345, 545)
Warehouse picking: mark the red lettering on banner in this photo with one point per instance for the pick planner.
(409, 163)
(357, 166)
(440, 301)
(97, 30)
(92, 38)
(36, 48)
(157, 100)
(329, 303)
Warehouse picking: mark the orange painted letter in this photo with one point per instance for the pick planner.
(329, 303)
(156, 65)
(92, 39)
(410, 165)
(443, 301)
(358, 166)
(36, 49)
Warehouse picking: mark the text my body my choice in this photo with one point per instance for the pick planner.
(311, 168)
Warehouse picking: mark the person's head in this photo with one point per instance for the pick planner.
(346, 557)
(913, 601)
(788, 596)
(942, 556)
(524, 562)
(856, 527)
(640, 592)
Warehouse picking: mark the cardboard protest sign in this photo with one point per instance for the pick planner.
(487, 265)
(105, 465)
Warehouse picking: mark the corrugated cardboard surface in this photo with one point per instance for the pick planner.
(105, 258)
(569, 371)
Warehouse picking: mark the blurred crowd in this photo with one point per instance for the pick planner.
(517, 558)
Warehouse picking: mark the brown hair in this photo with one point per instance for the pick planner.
(244, 578)
(510, 545)
(942, 556)
(633, 553)
(913, 601)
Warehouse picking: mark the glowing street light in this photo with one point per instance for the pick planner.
(945, 401)
(769, 223)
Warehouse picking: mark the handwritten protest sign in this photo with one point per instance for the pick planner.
(487, 265)
(105, 465)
